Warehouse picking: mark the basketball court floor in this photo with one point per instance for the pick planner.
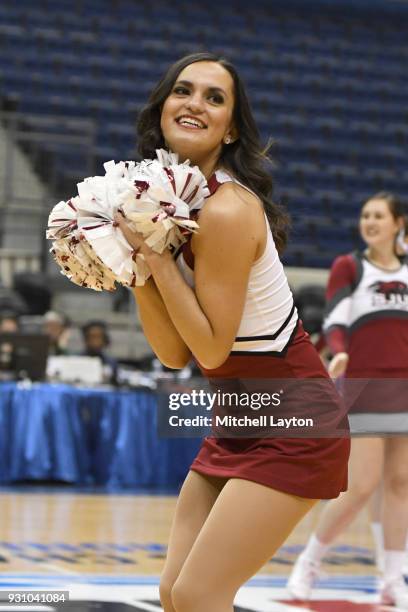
(108, 552)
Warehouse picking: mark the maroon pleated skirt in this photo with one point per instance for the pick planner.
(310, 467)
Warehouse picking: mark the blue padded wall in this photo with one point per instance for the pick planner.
(327, 82)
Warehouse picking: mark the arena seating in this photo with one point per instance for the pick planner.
(328, 85)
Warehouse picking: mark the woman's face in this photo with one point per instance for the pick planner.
(197, 114)
(377, 224)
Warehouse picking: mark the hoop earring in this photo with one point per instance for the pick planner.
(227, 140)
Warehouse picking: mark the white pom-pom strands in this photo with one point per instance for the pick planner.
(156, 197)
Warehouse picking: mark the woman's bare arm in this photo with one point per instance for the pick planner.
(207, 318)
(159, 329)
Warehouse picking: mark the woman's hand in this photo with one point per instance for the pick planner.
(137, 242)
(158, 327)
(135, 239)
(338, 365)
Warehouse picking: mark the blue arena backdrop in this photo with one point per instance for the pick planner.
(364, 7)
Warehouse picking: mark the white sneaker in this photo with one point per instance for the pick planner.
(301, 580)
(395, 593)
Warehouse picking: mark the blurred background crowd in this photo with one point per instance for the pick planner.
(328, 85)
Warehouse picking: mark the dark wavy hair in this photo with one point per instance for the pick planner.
(244, 158)
(395, 205)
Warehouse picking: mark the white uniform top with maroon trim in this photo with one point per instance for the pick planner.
(270, 317)
(367, 315)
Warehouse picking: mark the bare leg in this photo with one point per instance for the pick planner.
(365, 472)
(375, 506)
(394, 591)
(247, 524)
(395, 507)
(197, 497)
(376, 511)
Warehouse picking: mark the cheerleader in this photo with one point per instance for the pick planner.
(367, 331)
(376, 499)
(226, 303)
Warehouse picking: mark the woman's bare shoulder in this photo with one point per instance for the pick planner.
(231, 201)
(231, 216)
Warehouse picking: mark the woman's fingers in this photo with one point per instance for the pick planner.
(133, 238)
(338, 365)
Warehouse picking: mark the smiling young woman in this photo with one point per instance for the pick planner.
(367, 332)
(200, 130)
(225, 301)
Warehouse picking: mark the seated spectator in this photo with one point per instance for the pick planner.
(56, 326)
(96, 340)
(9, 322)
